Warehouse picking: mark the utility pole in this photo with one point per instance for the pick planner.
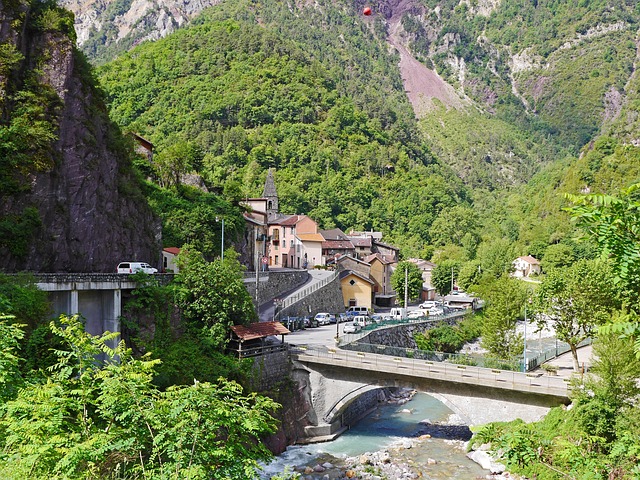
(257, 269)
(406, 288)
(222, 242)
(524, 366)
(451, 279)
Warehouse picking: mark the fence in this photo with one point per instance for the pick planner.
(305, 292)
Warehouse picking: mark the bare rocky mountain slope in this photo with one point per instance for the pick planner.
(85, 208)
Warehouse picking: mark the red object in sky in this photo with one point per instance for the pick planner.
(367, 11)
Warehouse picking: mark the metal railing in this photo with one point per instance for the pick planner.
(421, 368)
(257, 351)
(348, 338)
(305, 292)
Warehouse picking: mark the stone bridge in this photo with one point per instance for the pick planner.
(335, 378)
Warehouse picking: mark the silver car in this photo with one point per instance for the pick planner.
(351, 327)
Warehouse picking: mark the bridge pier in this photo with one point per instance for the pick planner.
(96, 297)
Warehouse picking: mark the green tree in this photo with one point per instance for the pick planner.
(21, 298)
(557, 255)
(496, 257)
(443, 276)
(212, 295)
(469, 274)
(612, 224)
(575, 300)
(10, 377)
(445, 338)
(413, 283)
(505, 300)
(453, 224)
(101, 419)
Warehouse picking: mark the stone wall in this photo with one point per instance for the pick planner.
(401, 335)
(273, 284)
(273, 376)
(270, 370)
(326, 299)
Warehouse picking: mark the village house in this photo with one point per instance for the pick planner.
(169, 255)
(380, 273)
(289, 241)
(336, 244)
(355, 282)
(526, 266)
(426, 267)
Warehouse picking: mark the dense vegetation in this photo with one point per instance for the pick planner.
(74, 405)
(328, 114)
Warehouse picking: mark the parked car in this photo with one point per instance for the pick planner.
(398, 313)
(362, 320)
(133, 267)
(427, 305)
(310, 322)
(377, 318)
(342, 317)
(322, 318)
(332, 318)
(436, 311)
(351, 327)
(417, 314)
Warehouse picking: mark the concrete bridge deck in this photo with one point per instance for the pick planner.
(531, 383)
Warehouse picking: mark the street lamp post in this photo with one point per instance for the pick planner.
(524, 365)
(222, 241)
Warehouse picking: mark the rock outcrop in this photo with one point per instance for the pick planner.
(72, 179)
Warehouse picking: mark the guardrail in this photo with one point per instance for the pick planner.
(305, 292)
(256, 351)
(367, 329)
(420, 368)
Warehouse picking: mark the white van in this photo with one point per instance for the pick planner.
(133, 267)
(398, 313)
(355, 310)
(361, 320)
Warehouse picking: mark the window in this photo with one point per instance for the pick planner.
(276, 259)
(276, 235)
(291, 243)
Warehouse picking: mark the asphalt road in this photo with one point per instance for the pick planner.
(324, 335)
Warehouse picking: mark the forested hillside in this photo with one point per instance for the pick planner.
(317, 94)
(329, 114)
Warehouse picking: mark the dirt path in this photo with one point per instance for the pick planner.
(421, 84)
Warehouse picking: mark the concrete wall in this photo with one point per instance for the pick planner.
(273, 284)
(326, 299)
(400, 335)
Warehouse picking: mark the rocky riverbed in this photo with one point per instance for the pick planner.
(433, 450)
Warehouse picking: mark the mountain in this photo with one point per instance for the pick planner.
(70, 199)
(391, 120)
(108, 27)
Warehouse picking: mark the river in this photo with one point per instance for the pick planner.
(427, 450)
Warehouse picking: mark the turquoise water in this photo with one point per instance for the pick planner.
(389, 425)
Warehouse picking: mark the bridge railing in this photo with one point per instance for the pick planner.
(349, 338)
(471, 360)
(420, 368)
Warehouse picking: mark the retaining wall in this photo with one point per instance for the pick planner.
(401, 335)
(326, 299)
(273, 284)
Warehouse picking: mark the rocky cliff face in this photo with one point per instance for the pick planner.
(79, 207)
(105, 27)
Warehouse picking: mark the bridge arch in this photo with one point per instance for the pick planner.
(336, 381)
